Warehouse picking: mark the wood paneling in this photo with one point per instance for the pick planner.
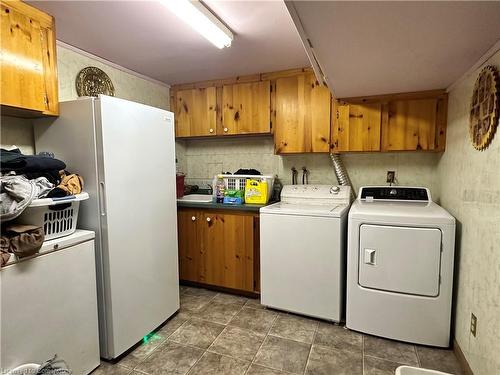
(218, 248)
(196, 112)
(410, 125)
(356, 127)
(441, 122)
(302, 115)
(385, 98)
(50, 70)
(28, 63)
(246, 108)
(242, 79)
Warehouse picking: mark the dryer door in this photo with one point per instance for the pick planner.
(400, 259)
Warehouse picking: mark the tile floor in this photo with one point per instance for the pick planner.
(216, 333)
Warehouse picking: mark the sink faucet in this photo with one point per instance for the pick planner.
(210, 189)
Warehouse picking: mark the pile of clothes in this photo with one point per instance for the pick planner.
(23, 179)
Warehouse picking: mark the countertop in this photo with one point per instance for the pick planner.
(221, 206)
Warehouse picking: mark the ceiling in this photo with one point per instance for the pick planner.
(367, 48)
(146, 37)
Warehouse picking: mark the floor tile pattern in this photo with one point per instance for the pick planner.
(221, 334)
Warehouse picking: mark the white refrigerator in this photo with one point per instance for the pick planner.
(125, 152)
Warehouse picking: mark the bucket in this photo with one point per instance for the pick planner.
(409, 370)
(179, 181)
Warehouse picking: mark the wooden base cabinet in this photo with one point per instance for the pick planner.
(219, 248)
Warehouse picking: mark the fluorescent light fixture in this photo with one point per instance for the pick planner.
(200, 18)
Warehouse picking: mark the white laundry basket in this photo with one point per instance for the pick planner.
(409, 370)
(238, 182)
(57, 216)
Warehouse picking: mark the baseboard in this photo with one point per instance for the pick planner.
(461, 358)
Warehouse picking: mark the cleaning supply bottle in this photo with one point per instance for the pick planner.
(219, 190)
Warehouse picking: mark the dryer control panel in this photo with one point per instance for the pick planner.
(398, 193)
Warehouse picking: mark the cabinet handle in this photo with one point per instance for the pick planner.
(193, 218)
(211, 130)
(225, 130)
(102, 198)
(209, 220)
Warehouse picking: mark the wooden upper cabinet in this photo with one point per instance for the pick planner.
(356, 127)
(28, 60)
(414, 125)
(302, 115)
(196, 112)
(397, 122)
(246, 108)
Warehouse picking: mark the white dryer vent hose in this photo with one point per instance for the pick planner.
(341, 173)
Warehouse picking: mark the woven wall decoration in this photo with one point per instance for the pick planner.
(484, 108)
(92, 81)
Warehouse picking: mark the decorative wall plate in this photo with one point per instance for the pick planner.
(484, 108)
(92, 81)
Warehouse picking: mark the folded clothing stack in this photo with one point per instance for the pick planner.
(23, 179)
(28, 177)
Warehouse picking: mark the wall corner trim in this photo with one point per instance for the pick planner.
(461, 358)
(485, 57)
(110, 63)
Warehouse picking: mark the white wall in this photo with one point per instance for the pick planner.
(207, 157)
(19, 132)
(470, 190)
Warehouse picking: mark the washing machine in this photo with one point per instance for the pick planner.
(400, 265)
(303, 251)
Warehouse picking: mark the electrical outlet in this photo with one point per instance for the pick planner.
(391, 177)
(473, 324)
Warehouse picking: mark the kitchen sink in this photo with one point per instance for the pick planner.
(196, 198)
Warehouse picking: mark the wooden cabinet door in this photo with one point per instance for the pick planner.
(196, 112)
(410, 125)
(189, 227)
(22, 63)
(356, 127)
(302, 115)
(246, 108)
(228, 248)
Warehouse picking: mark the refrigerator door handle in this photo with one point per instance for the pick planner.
(102, 200)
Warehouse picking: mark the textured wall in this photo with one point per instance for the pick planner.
(127, 86)
(19, 132)
(470, 190)
(69, 63)
(207, 157)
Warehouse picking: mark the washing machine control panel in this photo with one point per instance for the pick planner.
(400, 193)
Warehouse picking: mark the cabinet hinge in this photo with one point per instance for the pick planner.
(45, 100)
(337, 114)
